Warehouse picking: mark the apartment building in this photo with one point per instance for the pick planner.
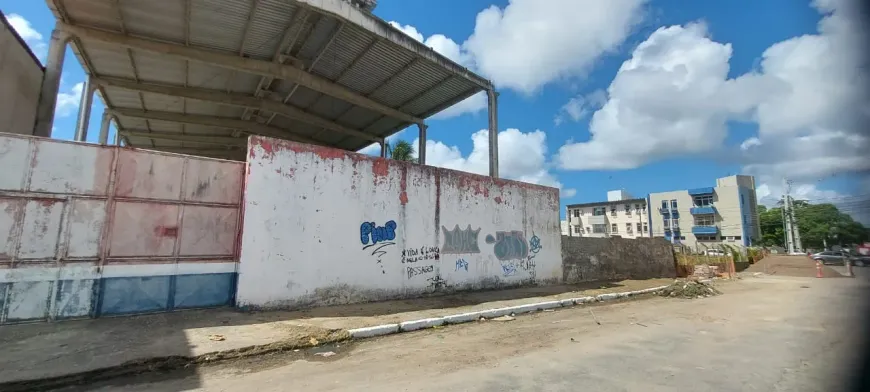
(704, 217)
(620, 216)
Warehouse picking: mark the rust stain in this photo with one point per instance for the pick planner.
(403, 185)
(498, 200)
(166, 231)
(380, 167)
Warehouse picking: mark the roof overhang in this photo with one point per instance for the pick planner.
(176, 73)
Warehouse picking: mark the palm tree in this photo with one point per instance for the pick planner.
(401, 151)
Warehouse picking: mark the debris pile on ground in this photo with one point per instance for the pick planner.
(705, 271)
(689, 289)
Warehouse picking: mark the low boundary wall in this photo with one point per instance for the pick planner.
(588, 259)
(325, 226)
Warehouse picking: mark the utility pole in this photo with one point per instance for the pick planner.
(789, 234)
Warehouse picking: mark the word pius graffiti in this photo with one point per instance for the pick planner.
(381, 238)
(460, 241)
(414, 271)
(413, 255)
(368, 230)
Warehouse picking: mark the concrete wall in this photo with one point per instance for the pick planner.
(592, 259)
(88, 230)
(325, 226)
(20, 81)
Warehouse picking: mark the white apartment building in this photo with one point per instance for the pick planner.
(620, 216)
(705, 217)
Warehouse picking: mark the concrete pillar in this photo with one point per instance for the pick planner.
(50, 83)
(383, 144)
(104, 127)
(421, 144)
(492, 98)
(85, 103)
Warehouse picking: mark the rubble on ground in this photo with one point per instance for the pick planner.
(689, 289)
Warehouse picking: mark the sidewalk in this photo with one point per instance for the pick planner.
(48, 350)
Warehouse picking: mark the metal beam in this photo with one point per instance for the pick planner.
(211, 153)
(50, 83)
(188, 138)
(367, 21)
(258, 67)
(220, 122)
(234, 99)
(492, 100)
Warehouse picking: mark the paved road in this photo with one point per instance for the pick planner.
(764, 334)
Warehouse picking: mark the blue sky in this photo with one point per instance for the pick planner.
(646, 96)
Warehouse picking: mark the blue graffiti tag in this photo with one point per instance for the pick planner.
(534, 244)
(367, 230)
(461, 264)
(509, 269)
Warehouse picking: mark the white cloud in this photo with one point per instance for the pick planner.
(521, 157)
(530, 43)
(32, 37)
(808, 97)
(578, 107)
(68, 102)
(672, 97)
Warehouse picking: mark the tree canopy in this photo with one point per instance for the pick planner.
(401, 151)
(817, 223)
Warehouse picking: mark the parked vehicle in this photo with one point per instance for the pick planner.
(860, 260)
(830, 257)
(714, 252)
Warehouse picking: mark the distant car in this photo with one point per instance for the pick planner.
(714, 252)
(830, 257)
(860, 260)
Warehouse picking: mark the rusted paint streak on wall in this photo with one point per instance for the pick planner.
(403, 184)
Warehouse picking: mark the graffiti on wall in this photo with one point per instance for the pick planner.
(461, 264)
(509, 245)
(514, 252)
(380, 237)
(458, 240)
(370, 231)
(413, 255)
(414, 271)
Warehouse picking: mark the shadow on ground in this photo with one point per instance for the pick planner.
(185, 340)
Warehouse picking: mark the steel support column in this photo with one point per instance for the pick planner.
(50, 83)
(104, 127)
(383, 144)
(492, 98)
(421, 144)
(84, 118)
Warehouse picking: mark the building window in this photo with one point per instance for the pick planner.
(588, 230)
(598, 211)
(576, 213)
(627, 207)
(682, 237)
(704, 220)
(628, 228)
(742, 202)
(576, 229)
(599, 229)
(645, 228)
(704, 201)
(673, 204)
(581, 212)
(639, 228)
(705, 237)
(737, 237)
(675, 223)
(614, 228)
(664, 204)
(667, 223)
(612, 210)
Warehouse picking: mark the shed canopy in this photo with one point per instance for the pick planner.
(197, 76)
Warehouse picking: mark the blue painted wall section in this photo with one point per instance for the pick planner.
(165, 293)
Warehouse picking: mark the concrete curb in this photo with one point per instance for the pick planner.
(414, 325)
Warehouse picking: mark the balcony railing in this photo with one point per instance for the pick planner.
(705, 230)
(703, 210)
(701, 191)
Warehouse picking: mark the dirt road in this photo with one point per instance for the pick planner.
(763, 334)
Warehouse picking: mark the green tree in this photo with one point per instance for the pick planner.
(818, 224)
(401, 151)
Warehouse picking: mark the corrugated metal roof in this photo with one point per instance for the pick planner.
(332, 42)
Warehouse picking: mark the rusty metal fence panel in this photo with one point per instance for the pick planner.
(87, 230)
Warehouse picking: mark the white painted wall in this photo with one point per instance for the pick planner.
(305, 207)
(20, 82)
